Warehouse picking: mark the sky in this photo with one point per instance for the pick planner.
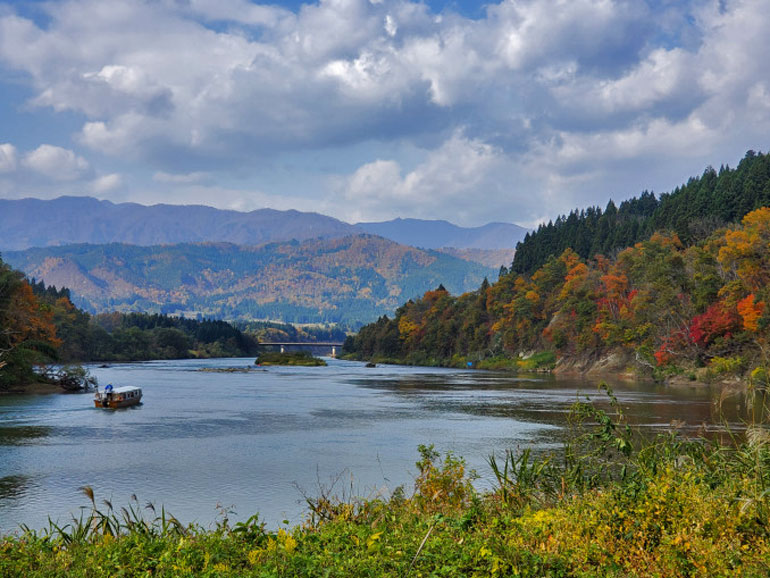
(367, 110)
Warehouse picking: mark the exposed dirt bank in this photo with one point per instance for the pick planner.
(626, 366)
(618, 365)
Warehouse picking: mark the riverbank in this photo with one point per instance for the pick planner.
(675, 507)
(626, 366)
(34, 389)
(615, 365)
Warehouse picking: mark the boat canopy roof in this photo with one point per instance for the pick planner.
(124, 389)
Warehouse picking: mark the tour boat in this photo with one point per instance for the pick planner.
(114, 397)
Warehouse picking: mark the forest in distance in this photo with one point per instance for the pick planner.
(668, 286)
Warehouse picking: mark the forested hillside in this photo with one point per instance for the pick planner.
(696, 305)
(692, 211)
(350, 281)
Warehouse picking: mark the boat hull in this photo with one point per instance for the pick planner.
(115, 404)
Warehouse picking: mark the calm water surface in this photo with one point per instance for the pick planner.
(259, 441)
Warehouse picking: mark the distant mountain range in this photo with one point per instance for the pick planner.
(493, 258)
(350, 280)
(29, 223)
(438, 234)
(265, 264)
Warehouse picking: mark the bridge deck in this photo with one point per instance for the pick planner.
(318, 343)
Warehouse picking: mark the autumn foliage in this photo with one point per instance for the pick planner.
(665, 302)
(27, 331)
(719, 320)
(751, 312)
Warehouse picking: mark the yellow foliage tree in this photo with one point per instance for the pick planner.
(746, 250)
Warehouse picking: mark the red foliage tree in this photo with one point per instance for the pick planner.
(719, 320)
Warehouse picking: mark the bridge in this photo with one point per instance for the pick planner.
(311, 345)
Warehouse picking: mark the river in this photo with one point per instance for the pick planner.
(260, 441)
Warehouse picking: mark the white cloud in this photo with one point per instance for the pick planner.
(106, 183)
(333, 71)
(391, 27)
(568, 151)
(56, 163)
(7, 158)
(665, 81)
(570, 100)
(98, 136)
(450, 182)
(529, 33)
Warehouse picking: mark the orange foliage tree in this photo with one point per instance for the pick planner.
(27, 332)
(750, 311)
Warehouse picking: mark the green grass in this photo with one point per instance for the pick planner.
(295, 358)
(611, 504)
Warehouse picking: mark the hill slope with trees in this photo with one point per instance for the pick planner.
(692, 211)
(350, 280)
(664, 304)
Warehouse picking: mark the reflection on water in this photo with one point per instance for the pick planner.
(13, 487)
(22, 434)
(250, 439)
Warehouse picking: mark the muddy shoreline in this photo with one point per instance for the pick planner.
(34, 389)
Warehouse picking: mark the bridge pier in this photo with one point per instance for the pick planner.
(308, 346)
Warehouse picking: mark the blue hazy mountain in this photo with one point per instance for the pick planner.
(29, 223)
(437, 234)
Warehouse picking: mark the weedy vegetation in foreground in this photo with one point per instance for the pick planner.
(610, 504)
